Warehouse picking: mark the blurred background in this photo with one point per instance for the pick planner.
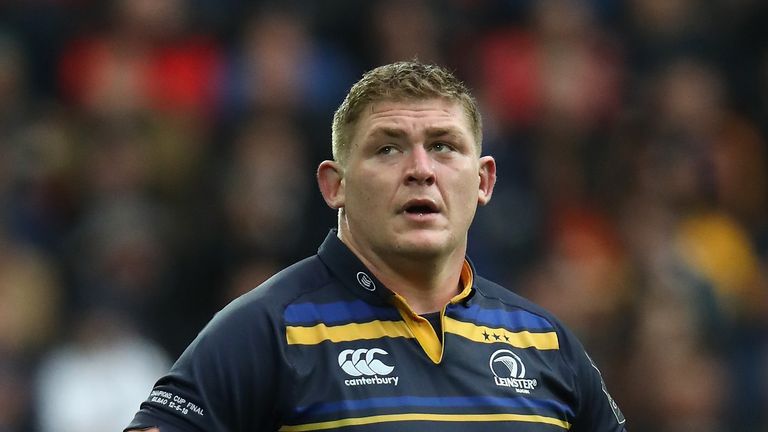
(157, 159)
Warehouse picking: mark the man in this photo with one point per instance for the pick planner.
(388, 327)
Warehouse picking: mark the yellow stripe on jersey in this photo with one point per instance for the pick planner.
(346, 333)
(426, 417)
(521, 339)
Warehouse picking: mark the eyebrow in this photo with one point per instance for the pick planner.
(443, 131)
(390, 132)
(433, 132)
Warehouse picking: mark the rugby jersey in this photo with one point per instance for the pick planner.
(324, 345)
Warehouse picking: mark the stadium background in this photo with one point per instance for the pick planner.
(157, 159)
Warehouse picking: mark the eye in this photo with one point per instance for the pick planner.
(442, 147)
(386, 150)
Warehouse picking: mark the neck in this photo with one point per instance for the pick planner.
(426, 283)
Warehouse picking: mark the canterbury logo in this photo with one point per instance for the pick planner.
(363, 361)
(365, 281)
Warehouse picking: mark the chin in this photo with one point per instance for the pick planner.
(420, 251)
(425, 246)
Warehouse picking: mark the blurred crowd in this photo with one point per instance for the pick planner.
(157, 160)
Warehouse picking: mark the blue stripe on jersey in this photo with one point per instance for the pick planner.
(337, 313)
(516, 319)
(550, 406)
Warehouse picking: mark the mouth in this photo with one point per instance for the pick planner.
(420, 207)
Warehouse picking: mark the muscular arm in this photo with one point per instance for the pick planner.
(222, 381)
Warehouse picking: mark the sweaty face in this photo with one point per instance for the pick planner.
(413, 179)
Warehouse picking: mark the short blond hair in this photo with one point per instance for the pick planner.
(407, 80)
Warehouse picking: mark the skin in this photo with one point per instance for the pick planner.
(407, 153)
(402, 154)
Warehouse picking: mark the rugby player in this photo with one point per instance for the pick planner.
(389, 327)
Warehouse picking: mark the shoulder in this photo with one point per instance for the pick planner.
(282, 289)
(253, 323)
(259, 312)
(490, 293)
(532, 317)
(527, 314)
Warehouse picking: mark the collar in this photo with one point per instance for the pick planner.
(345, 265)
(356, 277)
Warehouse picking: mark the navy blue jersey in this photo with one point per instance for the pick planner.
(324, 345)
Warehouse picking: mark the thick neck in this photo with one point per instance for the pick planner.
(427, 284)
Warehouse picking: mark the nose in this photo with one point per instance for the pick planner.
(420, 168)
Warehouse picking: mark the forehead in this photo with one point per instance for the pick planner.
(413, 116)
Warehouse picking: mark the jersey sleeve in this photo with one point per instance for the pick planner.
(597, 410)
(226, 380)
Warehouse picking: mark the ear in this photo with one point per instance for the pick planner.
(330, 178)
(487, 179)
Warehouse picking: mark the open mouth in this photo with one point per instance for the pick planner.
(420, 208)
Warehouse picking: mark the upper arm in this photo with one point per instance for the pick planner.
(226, 380)
(600, 409)
(597, 410)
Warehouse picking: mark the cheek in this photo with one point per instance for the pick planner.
(467, 187)
(464, 196)
(370, 192)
